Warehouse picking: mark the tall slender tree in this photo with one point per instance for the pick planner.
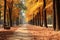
(5, 18)
(4, 13)
(40, 18)
(44, 13)
(57, 14)
(10, 12)
(0, 16)
(56, 19)
(0, 13)
(54, 14)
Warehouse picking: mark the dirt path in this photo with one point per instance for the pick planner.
(29, 32)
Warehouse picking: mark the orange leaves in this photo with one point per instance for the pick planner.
(32, 9)
(15, 13)
(33, 5)
(15, 10)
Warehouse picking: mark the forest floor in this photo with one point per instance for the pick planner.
(29, 32)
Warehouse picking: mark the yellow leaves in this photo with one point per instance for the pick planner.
(33, 5)
(2, 3)
(30, 3)
(32, 8)
(49, 5)
(49, 8)
(32, 11)
(16, 1)
(29, 17)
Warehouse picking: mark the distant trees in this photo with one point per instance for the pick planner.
(22, 7)
(32, 11)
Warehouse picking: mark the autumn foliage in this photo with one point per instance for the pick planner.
(32, 8)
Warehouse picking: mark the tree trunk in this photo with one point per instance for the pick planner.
(0, 16)
(40, 18)
(10, 13)
(10, 17)
(58, 14)
(4, 12)
(44, 14)
(54, 15)
(5, 20)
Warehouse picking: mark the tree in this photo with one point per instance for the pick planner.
(5, 23)
(54, 14)
(40, 23)
(10, 5)
(44, 13)
(4, 12)
(57, 14)
(0, 17)
(22, 11)
(10, 12)
(56, 7)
